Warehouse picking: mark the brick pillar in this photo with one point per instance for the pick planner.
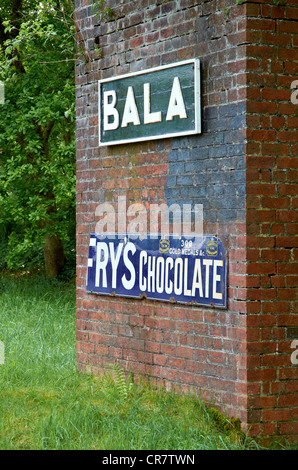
(241, 168)
(272, 227)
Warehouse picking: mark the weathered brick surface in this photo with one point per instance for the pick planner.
(241, 168)
(271, 156)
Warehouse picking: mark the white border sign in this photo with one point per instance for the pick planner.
(152, 104)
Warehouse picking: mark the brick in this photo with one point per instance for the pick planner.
(287, 241)
(260, 135)
(261, 189)
(260, 162)
(275, 255)
(275, 149)
(286, 27)
(252, 9)
(287, 268)
(276, 415)
(286, 216)
(262, 107)
(287, 136)
(275, 94)
(275, 202)
(280, 307)
(260, 24)
(276, 39)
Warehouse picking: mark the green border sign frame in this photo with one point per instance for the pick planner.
(158, 82)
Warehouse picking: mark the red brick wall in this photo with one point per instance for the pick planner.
(272, 218)
(238, 359)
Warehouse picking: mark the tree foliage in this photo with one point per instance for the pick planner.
(37, 133)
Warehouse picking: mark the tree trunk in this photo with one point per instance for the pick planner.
(53, 255)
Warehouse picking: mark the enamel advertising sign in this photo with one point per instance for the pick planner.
(183, 270)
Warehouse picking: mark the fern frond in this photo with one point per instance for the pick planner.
(120, 381)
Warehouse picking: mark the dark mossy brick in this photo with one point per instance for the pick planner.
(171, 181)
(230, 194)
(215, 190)
(212, 138)
(219, 124)
(200, 200)
(210, 215)
(230, 137)
(218, 151)
(172, 156)
(235, 176)
(292, 332)
(176, 168)
(240, 163)
(236, 149)
(228, 110)
(187, 203)
(202, 178)
(198, 191)
(226, 215)
(236, 122)
(185, 180)
(184, 191)
(199, 153)
(183, 154)
(218, 202)
(191, 166)
(202, 26)
(241, 107)
(167, 7)
(241, 192)
(172, 195)
(210, 113)
(210, 165)
(217, 177)
(184, 142)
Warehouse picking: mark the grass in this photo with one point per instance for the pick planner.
(46, 404)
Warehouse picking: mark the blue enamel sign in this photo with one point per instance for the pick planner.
(184, 270)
